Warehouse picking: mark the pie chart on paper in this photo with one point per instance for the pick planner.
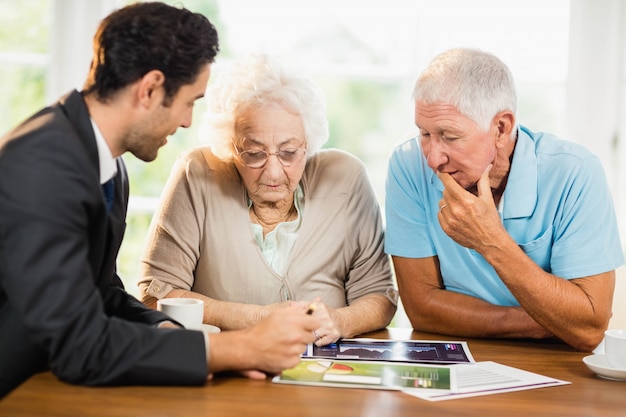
(329, 367)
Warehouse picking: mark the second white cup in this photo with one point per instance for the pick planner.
(615, 348)
(187, 311)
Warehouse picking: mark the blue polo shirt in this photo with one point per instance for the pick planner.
(557, 206)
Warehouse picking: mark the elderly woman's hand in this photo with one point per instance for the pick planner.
(329, 330)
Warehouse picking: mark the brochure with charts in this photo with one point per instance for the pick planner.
(428, 382)
(368, 374)
(417, 351)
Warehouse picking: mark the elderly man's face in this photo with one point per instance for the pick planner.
(453, 143)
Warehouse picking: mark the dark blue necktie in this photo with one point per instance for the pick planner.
(109, 193)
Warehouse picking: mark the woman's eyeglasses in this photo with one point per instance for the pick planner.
(258, 159)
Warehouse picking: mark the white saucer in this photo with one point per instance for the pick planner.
(209, 328)
(206, 328)
(599, 365)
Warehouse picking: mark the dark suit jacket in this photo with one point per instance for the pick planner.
(62, 305)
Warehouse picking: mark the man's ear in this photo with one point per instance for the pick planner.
(505, 123)
(150, 88)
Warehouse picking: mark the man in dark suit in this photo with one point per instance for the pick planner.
(62, 305)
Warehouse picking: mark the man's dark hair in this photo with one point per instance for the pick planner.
(143, 37)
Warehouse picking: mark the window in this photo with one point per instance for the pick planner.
(366, 59)
(365, 55)
(24, 31)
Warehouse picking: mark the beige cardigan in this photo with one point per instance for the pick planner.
(201, 237)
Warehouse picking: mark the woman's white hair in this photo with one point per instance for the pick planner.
(255, 81)
(477, 83)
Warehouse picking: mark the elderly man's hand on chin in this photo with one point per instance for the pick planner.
(471, 221)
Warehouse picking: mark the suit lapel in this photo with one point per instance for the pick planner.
(113, 225)
(74, 107)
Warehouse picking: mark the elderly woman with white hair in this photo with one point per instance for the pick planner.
(263, 217)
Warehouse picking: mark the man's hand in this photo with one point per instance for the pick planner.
(274, 344)
(471, 221)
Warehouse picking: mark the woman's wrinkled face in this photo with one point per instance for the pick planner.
(270, 128)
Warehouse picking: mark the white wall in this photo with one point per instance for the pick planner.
(618, 321)
(596, 103)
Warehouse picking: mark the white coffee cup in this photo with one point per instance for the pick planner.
(615, 348)
(187, 311)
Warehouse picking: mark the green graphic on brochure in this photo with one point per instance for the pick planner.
(367, 374)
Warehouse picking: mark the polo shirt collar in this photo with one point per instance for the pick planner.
(521, 192)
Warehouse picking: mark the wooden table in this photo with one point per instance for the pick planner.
(588, 395)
